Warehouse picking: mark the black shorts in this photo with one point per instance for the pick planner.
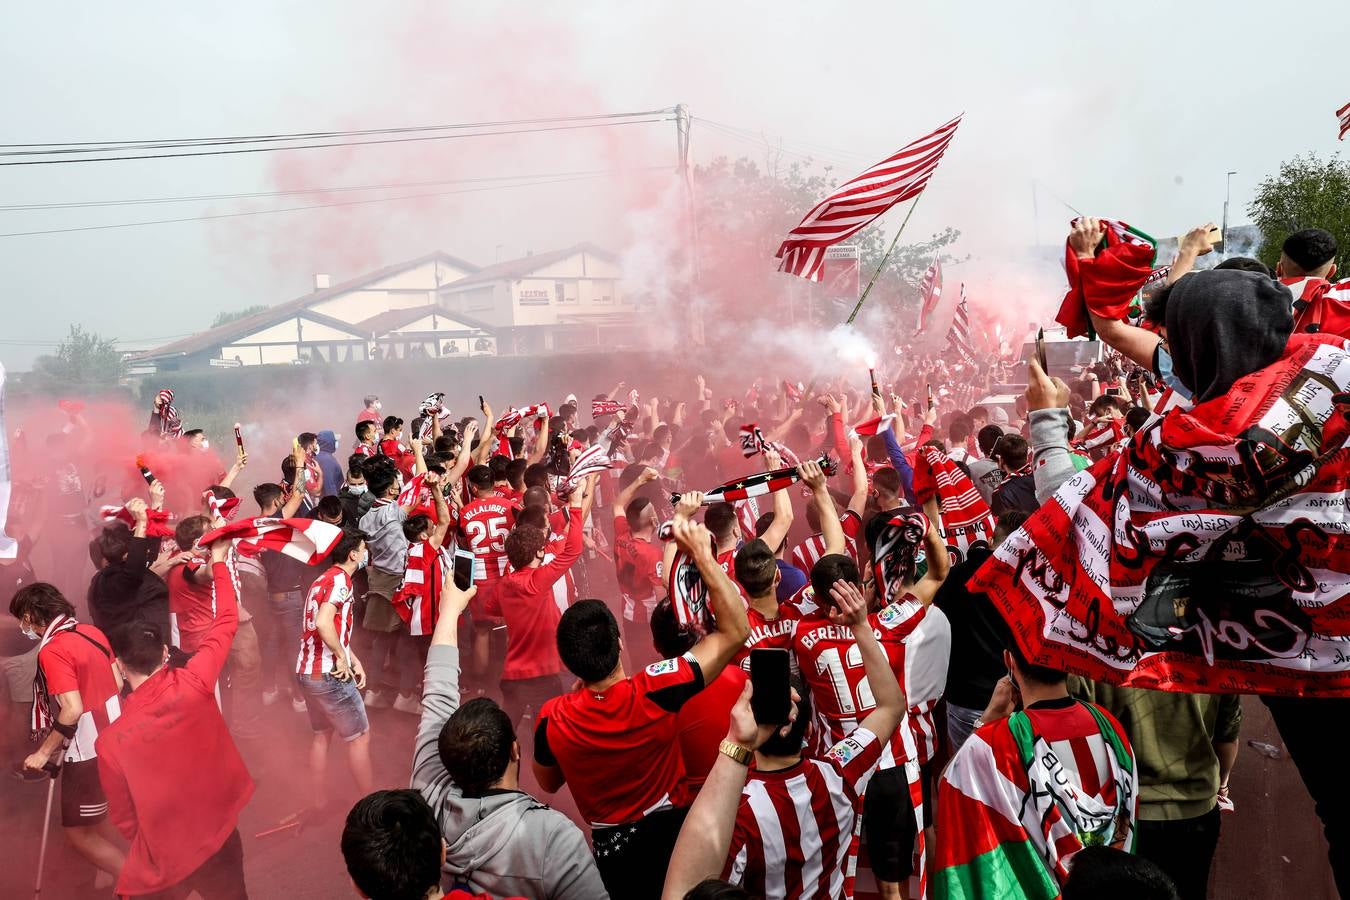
(82, 799)
(889, 829)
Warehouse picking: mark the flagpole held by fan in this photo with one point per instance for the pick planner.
(881, 265)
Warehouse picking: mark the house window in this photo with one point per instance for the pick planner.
(559, 291)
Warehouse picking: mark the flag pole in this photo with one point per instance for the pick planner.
(881, 265)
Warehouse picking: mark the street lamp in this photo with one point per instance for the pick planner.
(1227, 191)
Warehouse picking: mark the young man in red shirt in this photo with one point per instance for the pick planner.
(391, 445)
(614, 739)
(191, 594)
(637, 559)
(74, 665)
(523, 598)
(485, 522)
(175, 780)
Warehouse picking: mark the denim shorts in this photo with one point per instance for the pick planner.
(334, 706)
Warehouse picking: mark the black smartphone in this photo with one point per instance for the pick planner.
(482, 405)
(771, 700)
(1040, 351)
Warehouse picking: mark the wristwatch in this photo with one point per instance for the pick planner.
(735, 751)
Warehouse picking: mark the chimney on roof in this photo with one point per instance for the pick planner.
(322, 282)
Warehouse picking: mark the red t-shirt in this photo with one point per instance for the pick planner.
(637, 563)
(70, 662)
(192, 605)
(832, 667)
(1320, 306)
(524, 598)
(404, 459)
(620, 750)
(368, 415)
(703, 723)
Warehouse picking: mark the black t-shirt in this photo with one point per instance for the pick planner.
(979, 636)
(1015, 493)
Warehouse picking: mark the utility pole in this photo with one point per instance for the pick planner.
(683, 121)
(1227, 192)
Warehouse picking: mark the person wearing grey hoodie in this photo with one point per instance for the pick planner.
(466, 763)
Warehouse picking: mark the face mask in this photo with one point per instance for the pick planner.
(356, 488)
(361, 564)
(379, 405)
(29, 633)
(206, 445)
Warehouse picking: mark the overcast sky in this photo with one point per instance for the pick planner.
(1134, 111)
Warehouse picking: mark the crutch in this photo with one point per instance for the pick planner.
(53, 770)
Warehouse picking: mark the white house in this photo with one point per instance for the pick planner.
(565, 299)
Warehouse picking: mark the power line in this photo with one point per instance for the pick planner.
(255, 195)
(99, 146)
(262, 212)
(400, 140)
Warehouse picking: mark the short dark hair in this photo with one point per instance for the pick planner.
(392, 845)
(633, 512)
(517, 444)
(515, 472)
(446, 443)
(356, 464)
(1155, 305)
(187, 531)
(536, 496)
(1011, 451)
(1109, 873)
(307, 437)
(479, 477)
(413, 526)
(498, 466)
(266, 494)
(346, 545)
(830, 568)
(588, 640)
(192, 433)
(1033, 672)
(959, 429)
(138, 645)
(114, 542)
(380, 473)
(755, 567)
(1310, 248)
(669, 636)
(886, 479)
(40, 601)
(363, 429)
(1009, 522)
(523, 545)
(475, 745)
(791, 743)
(763, 524)
(536, 475)
(720, 519)
(329, 508)
(987, 437)
(1104, 404)
(391, 423)
(533, 517)
(1137, 418)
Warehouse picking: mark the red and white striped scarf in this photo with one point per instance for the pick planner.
(753, 441)
(419, 598)
(897, 549)
(1103, 437)
(42, 717)
(685, 586)
(965, 518)
(223, 508)
(591, 461)
(170, 425)
(156, 520)
(758, 485)
(308, 540)
(412, 489)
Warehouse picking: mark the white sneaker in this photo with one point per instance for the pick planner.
(270, 697)
(408, 704)
(298, 704)
(375, 700)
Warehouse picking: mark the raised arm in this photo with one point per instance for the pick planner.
(440, 682)
(851, 610)
(731, 628)
(214, 650)
(857, 500)
(292, 504)
(438, 533)
(939, 560)
(419, 458)
(465, 458)
(830, 529)
(484, 452)
(777, 531)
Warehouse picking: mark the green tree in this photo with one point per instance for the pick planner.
(1308, 192)
(224, 318)
(83, 359)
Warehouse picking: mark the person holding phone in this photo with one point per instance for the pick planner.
(790, 803)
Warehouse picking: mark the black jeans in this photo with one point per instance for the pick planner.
(1305, 726)
(632, 859)
(519, 694)
(221, 877)
(1183, 848)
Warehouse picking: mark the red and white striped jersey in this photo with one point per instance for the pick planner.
(565, 588)
(768, 634)
(928, 651)
(335, 587)
(832, 667)
(417, 601)
(796, 828)
(806, 554)
(486, 523)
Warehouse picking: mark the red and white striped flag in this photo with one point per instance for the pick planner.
(930, 293)
(873, 426)
(308, 540)
(856, 203)
(958, 337)
(1343, 114)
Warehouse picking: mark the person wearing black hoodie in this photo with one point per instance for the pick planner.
(124, 589)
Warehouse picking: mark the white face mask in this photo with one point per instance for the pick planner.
(206, 445)
(356, 488)
(29, 633)
(379, 405)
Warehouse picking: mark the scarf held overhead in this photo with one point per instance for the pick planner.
(1212, 554)
(308, 540)
(758, 485)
